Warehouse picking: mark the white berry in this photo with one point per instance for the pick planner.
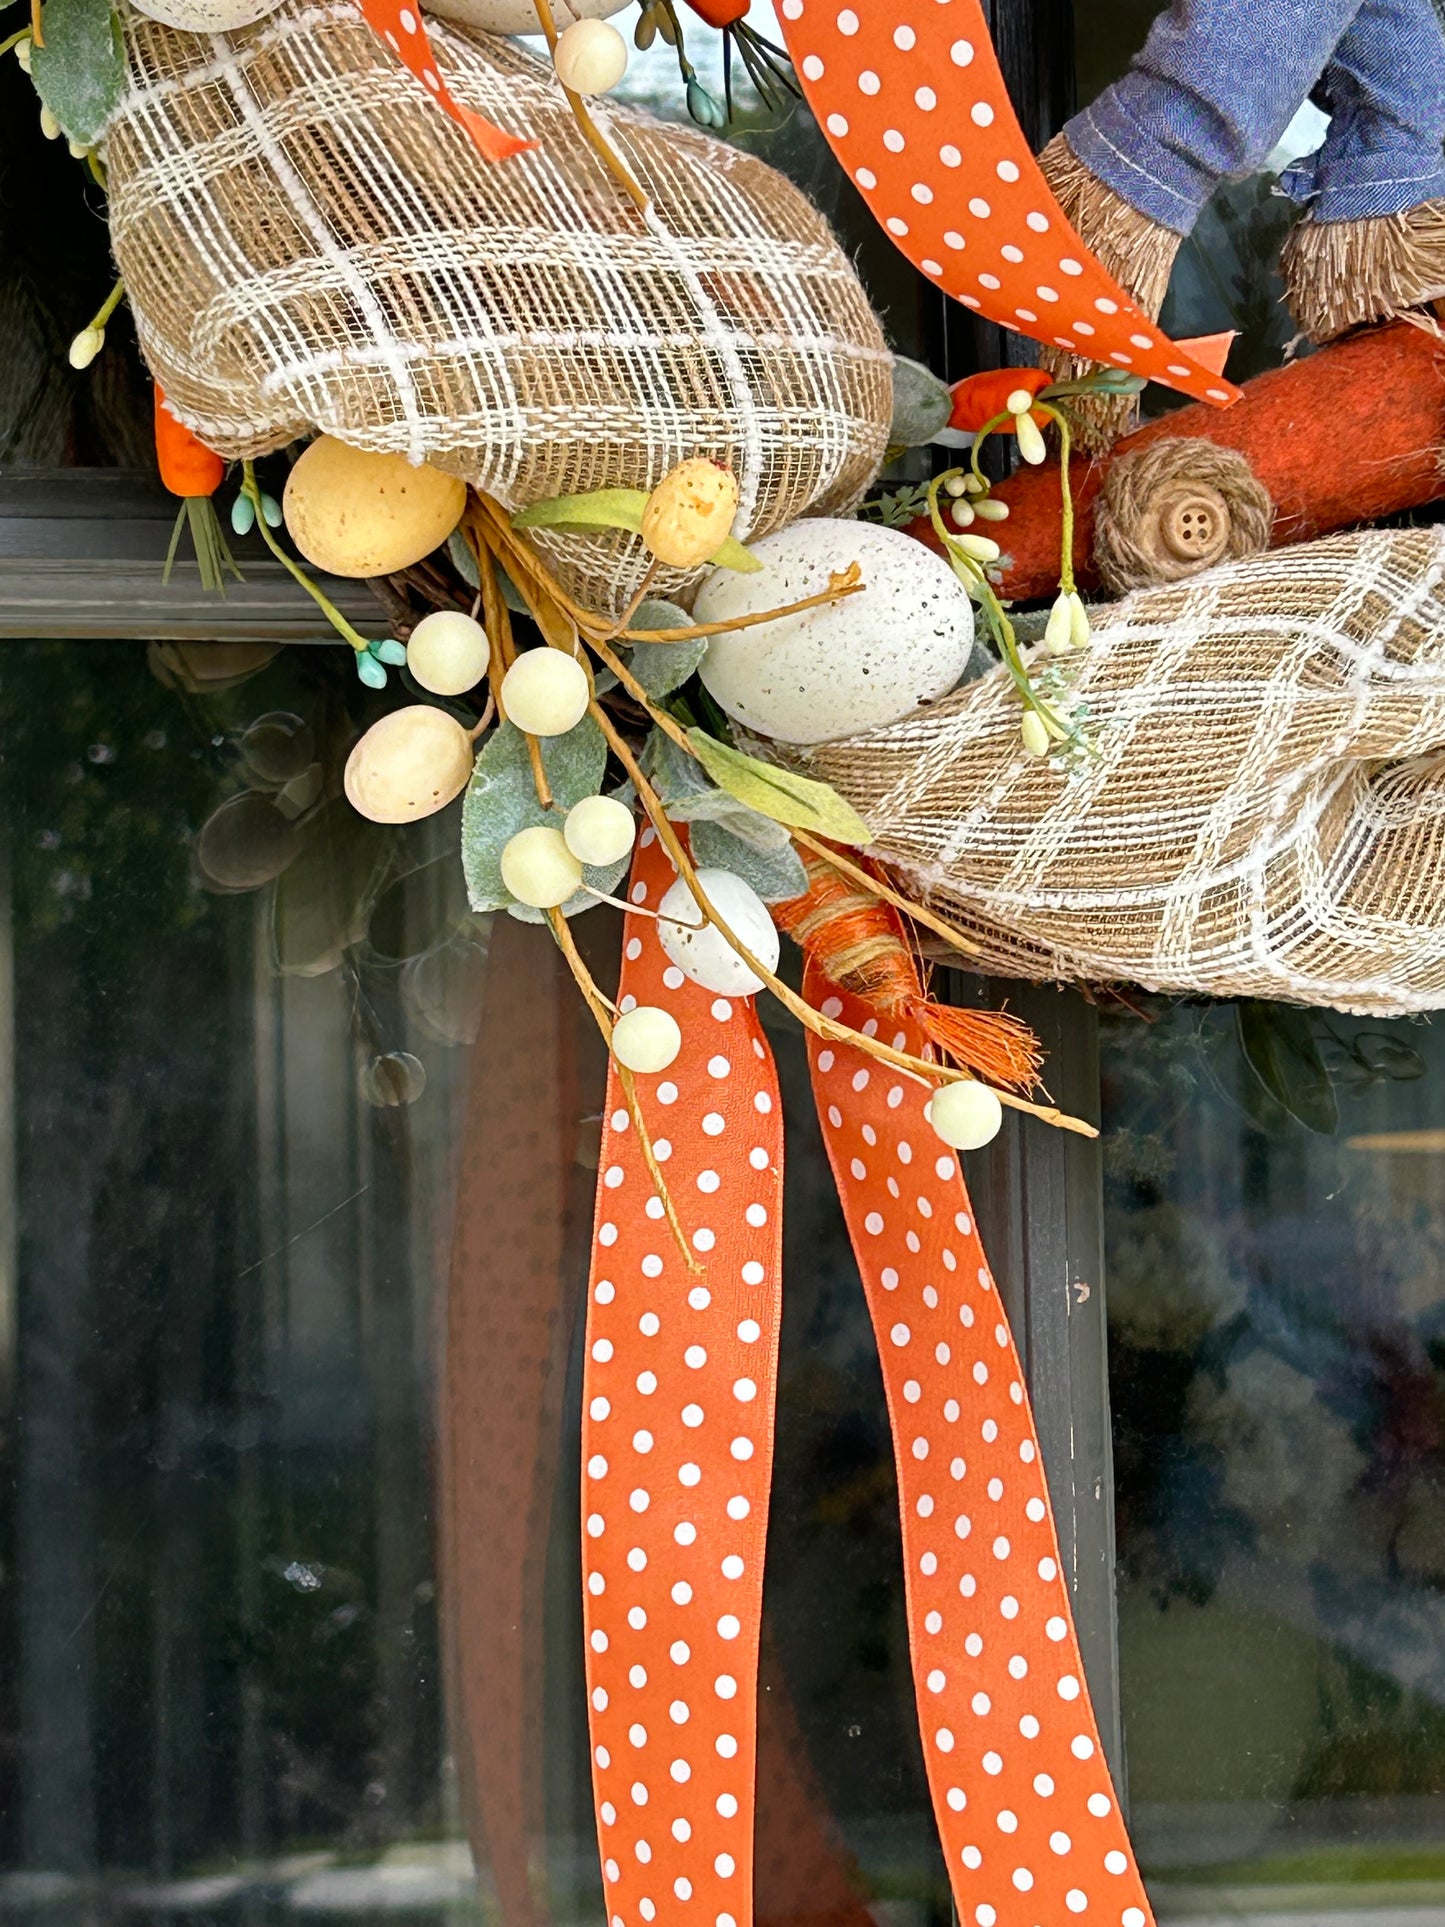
(599, 830)
(646, 1039)
(448, 652)
(590, 57)
(701, 951)
(545, 692)
(539, 869)
(966, 1115)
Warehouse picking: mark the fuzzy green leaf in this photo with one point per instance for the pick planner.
(922, 404)
(800, 801)
(80, 71)
(604, 508)
(662, 667)
(777, 875)
(501, 799)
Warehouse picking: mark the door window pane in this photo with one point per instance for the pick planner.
(1275, 1246)
(295, 1200)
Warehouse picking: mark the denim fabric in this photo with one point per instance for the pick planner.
(1218, 81)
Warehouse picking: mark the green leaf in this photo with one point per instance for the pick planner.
(80, 71)
(777, 875)
(732, 555)
(604, 508)
(662, 667)
(922, 404)
(656, 612)
(322, 904)
(1279, 1047)
(501, 799)
(800, 801)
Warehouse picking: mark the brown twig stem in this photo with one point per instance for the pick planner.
(597, 1004)
(814, 1020)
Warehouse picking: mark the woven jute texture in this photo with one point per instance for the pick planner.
(1266, 815)
(310, 243)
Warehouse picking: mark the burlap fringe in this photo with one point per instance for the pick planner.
(1265, 814)
(1143, 488)
(1342, 274)
(1135, 250)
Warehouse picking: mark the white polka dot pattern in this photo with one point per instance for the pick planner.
(1021, 1791)
(914, 106)
(677, 1446)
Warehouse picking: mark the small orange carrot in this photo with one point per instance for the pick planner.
(720, 13)
(194, 472)
(188, 467)
(858, 941)
(980, 398)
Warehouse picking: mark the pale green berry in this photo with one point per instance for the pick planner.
(1079, 629)
(599, 831)
(1035, 733)
(545, 692)
(1059, 630)
(961, 514)
(982, 548)
(1031, 442)
(966, 1115)
(646, 1039)
(590, 57)
(538, 868)
(448, 652)
(86, 346)
(991, 510)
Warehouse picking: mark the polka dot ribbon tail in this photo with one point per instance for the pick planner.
(677, 1446)
(913, 103)
(1026, 1811)
(677, 1437)
(402, 29)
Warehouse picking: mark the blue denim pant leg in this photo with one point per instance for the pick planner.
(1218, 81)
(1385, 92)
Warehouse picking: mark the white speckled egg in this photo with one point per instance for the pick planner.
(701, 951)
(851, 665)
(520, 16)
(206, 16)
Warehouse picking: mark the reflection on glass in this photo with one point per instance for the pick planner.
(296, 1174)
(1275, 1238)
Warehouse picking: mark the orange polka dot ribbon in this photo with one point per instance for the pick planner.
(402, 29)
(677, 1449)
(679, 1390)
(913, 103)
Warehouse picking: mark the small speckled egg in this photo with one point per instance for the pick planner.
(701, 951)
(848, 666)
(206, 16)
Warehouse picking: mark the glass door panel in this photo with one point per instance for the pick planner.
(1275, 1243)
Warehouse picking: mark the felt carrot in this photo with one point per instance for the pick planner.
(720, 13)
(858, 943)
(980, 399)
(193, 472)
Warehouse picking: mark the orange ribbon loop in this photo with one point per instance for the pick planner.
(400, 25)
(914, 106)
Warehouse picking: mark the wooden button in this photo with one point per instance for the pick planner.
(1193, 521)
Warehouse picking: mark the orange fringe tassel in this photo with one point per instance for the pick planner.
(859, 942)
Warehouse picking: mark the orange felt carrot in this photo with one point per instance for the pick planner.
(858, 943)
(187, 466)
(982, 398)
(193, 472)
(720, 13)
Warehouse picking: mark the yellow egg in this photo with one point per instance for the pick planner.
(408, 765)
(357, 514)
